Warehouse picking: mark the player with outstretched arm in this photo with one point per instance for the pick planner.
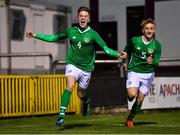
(80, 58)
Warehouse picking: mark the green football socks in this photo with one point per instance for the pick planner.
(86, 99)
(65, 100)
(135, 109)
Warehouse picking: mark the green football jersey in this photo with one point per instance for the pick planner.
(82, 52)
(138, 52)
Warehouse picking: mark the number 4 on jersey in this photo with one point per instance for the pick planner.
(79, 45)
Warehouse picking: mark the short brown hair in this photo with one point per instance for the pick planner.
(146, 21)
(84, 9)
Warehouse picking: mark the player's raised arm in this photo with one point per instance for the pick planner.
(45, 37)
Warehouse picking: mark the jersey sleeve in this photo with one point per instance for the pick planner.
(51, 38)
(157, 54)
(103, 45)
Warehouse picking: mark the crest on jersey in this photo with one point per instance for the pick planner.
(86, 40)
(150, 50)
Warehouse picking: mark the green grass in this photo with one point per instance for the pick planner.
(147, 123)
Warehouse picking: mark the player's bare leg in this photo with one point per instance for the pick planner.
(135, 109)
(82, 94)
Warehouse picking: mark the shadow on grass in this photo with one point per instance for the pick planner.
(71, 126)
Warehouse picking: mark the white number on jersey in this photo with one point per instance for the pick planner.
(143, 55)
(79, 45)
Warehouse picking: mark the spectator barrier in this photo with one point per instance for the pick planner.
(23, 95)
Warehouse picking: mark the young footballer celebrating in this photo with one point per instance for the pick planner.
(80, 58)
(143, 55)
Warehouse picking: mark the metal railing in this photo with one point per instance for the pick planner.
(30, 54)
(22, 95)
(169, 62)
(61, 62)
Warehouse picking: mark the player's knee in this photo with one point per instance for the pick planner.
(71, 86)
(132, 92)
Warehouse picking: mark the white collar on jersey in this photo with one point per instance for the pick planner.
(84, 30)
(146, 42)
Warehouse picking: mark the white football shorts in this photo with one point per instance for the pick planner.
(142, 81)
(82, 77)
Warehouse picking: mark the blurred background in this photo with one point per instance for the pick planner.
(115, 20)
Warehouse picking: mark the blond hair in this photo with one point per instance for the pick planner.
(146, 21)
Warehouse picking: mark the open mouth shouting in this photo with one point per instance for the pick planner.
(83, 19)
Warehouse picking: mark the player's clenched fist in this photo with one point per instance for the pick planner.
(123, 55)
(150, 59)
(30, 34)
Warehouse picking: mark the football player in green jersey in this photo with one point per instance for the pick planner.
(143, 55)
(80, 58)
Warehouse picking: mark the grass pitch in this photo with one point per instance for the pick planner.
(146, 123)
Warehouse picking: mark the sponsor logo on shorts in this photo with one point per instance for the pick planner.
(130, 82)
(69, 71)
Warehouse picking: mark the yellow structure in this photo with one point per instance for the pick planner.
(23, 95)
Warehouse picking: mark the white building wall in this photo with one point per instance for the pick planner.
(109, 10)
(38, 22)
(3, 37)
(39, 19)
(74, 4)
(116, 11)
(168, 19)
(166, 15)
